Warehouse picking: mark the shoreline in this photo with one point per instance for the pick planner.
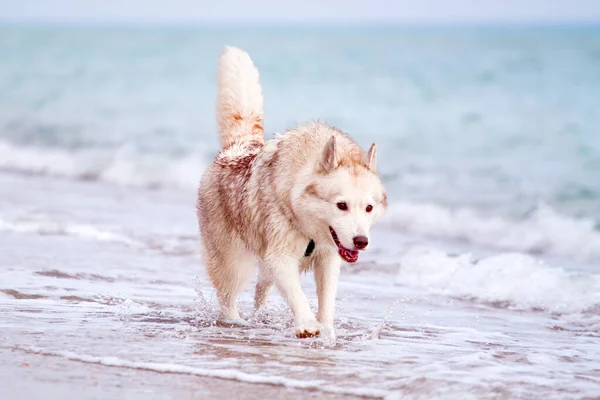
(35, 376)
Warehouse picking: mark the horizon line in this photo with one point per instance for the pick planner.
(376, 23)
(308, 25)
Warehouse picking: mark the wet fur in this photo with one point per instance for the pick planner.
(265, 201)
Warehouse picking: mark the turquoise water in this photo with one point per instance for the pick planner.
(493, 119)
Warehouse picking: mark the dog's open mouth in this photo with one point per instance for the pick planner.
(350, 256)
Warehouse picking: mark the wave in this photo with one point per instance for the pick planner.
(124, 166)
(545, 231)
(180, 245)
(236, 375)
(511, 279)
(49, 227)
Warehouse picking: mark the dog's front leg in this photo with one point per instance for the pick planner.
(285, 273)
(327, 272)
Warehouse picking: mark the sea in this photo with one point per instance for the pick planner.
(483, 280)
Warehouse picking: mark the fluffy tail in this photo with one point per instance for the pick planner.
(239, 99)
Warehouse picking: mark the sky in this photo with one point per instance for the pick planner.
(259, 11)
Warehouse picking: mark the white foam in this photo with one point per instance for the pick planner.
(49, 227)
(125, 166)
(518, 279)
(228, 374)
(545, 231)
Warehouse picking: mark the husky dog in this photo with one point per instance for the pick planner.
(304, 199)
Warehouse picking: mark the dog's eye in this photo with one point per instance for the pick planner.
(342, 206)
(369, 208)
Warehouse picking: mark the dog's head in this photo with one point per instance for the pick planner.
(342, 199)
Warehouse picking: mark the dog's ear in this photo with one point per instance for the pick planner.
(329, 160)
(372, 158)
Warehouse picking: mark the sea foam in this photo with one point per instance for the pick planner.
(516, 280)
(124, 166)
(545, 231)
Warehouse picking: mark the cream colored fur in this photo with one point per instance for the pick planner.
(264, 201)
(239, 99)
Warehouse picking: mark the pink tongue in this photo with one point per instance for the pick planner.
(349, 255)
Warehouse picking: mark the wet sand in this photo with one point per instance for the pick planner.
(30, 376)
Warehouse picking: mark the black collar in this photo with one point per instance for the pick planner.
(310, 248)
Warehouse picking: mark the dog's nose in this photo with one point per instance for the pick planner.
(361, 242)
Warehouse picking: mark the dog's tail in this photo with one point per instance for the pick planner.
(239, 99)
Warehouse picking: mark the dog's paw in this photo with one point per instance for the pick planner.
(328, 331)
(308, 329)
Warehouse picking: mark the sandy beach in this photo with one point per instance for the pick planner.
(31, 376)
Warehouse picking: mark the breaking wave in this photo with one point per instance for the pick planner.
(515, 280)
(545, 231)
(57, 228)
(124, 166)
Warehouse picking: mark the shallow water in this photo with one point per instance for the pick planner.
(93, 280)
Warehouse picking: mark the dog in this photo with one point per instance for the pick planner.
(302, 200)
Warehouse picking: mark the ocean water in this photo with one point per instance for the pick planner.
(484, 278)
